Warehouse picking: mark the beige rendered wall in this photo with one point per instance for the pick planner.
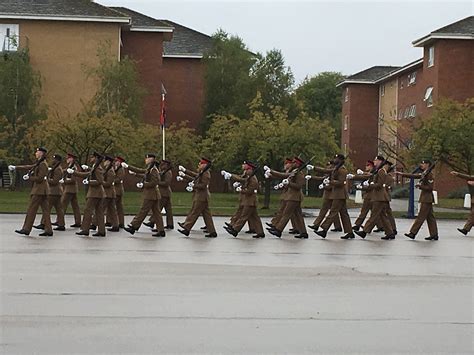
(59, 50)
(387, 114)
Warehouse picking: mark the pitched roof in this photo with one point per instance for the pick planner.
(406, 68)
(141, 22)
(186, 42)
(368, 76)
(65, 10)
(462, 29)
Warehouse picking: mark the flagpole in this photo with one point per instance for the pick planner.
(163, 127)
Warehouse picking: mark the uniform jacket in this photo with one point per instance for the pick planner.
(70, 183)
(118, 180)
(164, 184)
(201, 185)
(378, 187)
(96, 179)
(150, 182)
(248, 194)
(338, 184)
(109, 181)
(37, 177)
(53, 177)
(297, 182)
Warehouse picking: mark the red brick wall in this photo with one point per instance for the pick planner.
(146, 48)
(184, 82)
(361, 136)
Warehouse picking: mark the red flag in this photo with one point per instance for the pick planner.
(163, 106)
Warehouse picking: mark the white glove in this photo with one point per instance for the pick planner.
(365, 183)
(326, 181)
(191, 184)
(308, 177)
(285, 181)
(350, 176)
(140, 185)
(280, 185)
(179, 178)
(360, 172)
(276, 187)
(223, 172)
(45, 178)
(26, 177)
(181, 168)
(113, 183)
(227, 176)
(189, 189)
(267, 174)
(85, 182)
(132, 172)
(180, 173)
(84, 167)
(11, 167)
(266, 168)
(70, 171)
(359, 187)
(124, 165)
(309, 167)
(372, 183)
(61, 181)
(50, 168)
(236, 184)
(321, 186)
(238, 189)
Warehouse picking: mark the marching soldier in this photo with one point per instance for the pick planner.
(426, 201)
(293, 198)
(199, 185)
(95, 194)
(367, 203)
(109, 200)
(54, 177)
(390, 183)
(327, 202)
(151, 195)
(248, 190)
(39, 193)
(337, 182)
(470, 181)
(380, 201)
(119, 191)
(71, 190)
(164, 184)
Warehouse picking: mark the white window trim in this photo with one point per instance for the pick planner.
(346, 122)
(382, 90)
(431, 51)
(11, 42)
(346, 96)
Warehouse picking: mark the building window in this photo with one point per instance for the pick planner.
(412, 78)
(346, 122)
(431, 56)
(407, 112)
(345, 148)
(382, 90)
(412, 111)
(401, 83)
(346, 96)
(429, 96)
(9, 38)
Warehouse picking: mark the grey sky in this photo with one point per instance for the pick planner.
(316, 36)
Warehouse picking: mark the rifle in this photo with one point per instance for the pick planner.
(206, 168)
(50, 173)
(35, 165)
(94, 167)
(424, 174)
(297, 170)
(162, 173)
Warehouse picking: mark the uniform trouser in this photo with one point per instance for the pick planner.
(67, 198)
(279, 213)
(249, 214)
(391, 219)
(292, 209)
(109, 206)
(323, 212)
(147, 205)
(55, 201)
(93, 207)
(364, 211)
(379, 214)
(237, 215)
(165, 202)
(119, 211)
(425, 214)
(199, 208)
(37, 201)
(338, 208)
(470, 220)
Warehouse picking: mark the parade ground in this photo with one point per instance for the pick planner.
(140, 294)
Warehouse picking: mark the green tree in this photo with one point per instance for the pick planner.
(446, 136)
(119, 88)
(321, 98)
(20, 91)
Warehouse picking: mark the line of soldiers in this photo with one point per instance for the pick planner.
(55, 187)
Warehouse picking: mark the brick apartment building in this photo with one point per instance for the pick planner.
(63, 37)
(379, 103)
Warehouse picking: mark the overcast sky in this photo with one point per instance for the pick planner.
(316, 36)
